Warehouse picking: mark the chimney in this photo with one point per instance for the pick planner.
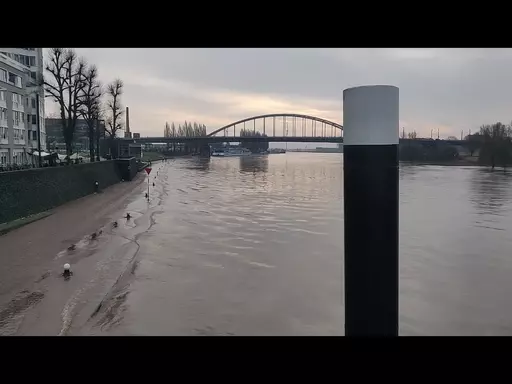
(127, 132)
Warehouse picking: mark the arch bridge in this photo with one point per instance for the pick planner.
(282, 127)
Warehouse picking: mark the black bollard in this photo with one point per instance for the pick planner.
(96, 186)
(370, 161)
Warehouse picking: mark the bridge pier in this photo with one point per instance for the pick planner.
(371, 131)
(205, 150)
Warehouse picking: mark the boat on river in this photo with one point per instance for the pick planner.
(230, 152)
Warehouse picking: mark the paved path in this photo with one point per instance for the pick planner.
(26, 252)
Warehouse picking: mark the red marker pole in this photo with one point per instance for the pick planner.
(148, 171)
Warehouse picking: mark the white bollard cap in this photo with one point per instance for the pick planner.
(67, 267)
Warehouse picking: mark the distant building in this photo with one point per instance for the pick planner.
(55, 137)
(136, 135)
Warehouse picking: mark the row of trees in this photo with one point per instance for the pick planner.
(74, 85)
(187, 130)
(494, 142)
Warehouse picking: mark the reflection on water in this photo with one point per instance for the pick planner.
(254, 246)
(197, 163)
(254, 164)
(455, 258)
(491, 190)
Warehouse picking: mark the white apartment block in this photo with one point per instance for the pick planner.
(21, 70)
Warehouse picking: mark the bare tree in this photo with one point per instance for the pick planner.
(412, 135)
(114, 110)
(90, 104)
(64, 86)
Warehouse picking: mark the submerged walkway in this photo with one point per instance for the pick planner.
(26, 252)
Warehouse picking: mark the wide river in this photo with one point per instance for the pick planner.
(254, 246)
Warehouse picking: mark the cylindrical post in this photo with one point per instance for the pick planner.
(370, 161)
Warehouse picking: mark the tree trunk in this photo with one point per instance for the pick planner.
(91, 143)
(69, 152)
(97, 142)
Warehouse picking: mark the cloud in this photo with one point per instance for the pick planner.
(449, 89)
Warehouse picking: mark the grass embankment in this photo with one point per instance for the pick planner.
(12, 225)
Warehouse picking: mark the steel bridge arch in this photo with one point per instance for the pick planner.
(308, 117)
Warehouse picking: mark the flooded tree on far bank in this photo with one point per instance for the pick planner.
(496, 144)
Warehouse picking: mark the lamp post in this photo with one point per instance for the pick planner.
(38, 131)
(98, 138)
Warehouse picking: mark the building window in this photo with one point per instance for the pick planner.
(3, 113)
(16, 118)
(33, 75)
(3, 133)
(22, 117)
(16, 100)
(3, 75)
(32, 61)
(34, 135)
(33, 103)
(2, 95)
(34, 119)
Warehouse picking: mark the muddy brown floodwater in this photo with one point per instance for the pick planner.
(254, 246)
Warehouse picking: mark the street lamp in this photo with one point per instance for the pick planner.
(38, 131)
(98, 138)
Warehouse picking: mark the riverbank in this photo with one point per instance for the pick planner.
(28, 251)
(464, 162)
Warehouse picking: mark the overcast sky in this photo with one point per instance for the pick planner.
(446, 89)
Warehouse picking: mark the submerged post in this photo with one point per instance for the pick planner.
(370, 176)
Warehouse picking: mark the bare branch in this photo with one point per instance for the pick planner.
(64, 85)
(114, 92)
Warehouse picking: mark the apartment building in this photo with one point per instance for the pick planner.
(21, 70)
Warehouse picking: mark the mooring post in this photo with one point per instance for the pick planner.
(370, 177)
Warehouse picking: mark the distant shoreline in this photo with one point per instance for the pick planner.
(460, 163)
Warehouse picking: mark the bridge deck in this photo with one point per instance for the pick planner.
(277, 139)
